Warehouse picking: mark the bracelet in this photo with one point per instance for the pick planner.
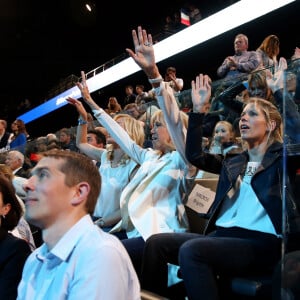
(82, 122)
(155, 80)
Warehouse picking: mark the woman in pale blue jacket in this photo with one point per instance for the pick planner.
(152, 201)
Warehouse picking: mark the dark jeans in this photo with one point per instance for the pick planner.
(135, 248)
(232, 251)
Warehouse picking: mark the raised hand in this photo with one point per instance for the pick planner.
(143, 53)
(282, 64)
(276, 82)
(79, 106)
(85, 93)
(201, 93)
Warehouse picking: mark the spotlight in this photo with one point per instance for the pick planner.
(88, 7)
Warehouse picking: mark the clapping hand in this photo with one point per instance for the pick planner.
(282, 64)
(276, 82)
(231, 63)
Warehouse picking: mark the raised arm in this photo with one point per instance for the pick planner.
(144, 55)
(201, 92)
(81, 134)
(114, 129)
(145, 59)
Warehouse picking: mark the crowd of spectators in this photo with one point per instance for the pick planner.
(144, 153)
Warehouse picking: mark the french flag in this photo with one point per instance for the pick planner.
(185, 19)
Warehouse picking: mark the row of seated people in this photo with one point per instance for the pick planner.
(243, 61)
(142, 190)
(242, 235)
(134, 193)
(234, 67)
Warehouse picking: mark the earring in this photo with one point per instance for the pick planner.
(3, 216)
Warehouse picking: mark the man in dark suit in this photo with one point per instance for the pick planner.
(15, 160)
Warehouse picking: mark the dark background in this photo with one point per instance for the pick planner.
(45, 42)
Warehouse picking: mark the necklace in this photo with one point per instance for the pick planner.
(121, 161)
(116, 157)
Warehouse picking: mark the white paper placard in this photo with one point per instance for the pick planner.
(200, 199)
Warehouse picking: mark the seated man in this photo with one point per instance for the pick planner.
(77, 260)
(239, 65)
(15, 160)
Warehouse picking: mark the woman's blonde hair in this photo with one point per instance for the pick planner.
(230, 128)
(133, 127)
(6, 171)
(159, 117)
(271, 113)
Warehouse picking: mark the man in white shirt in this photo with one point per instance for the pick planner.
(77, 260)
(174, 82)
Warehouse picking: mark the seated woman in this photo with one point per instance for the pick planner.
(152, 201)
(19, 136)
(270, 88)
(244, 231)
(224, 140)
(267, 53)
(23, 229)
(113, 106)
(13, 250)
(116, 167)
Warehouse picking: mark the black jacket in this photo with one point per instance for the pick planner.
(267, 183)
(13, 254)
(4, 140)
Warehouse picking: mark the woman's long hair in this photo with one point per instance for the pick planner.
(271, 113)
(11, 219)
(270, 45)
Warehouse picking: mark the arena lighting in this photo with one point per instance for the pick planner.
(88, 7)
(233, 16)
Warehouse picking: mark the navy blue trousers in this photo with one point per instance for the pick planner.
(231, 252)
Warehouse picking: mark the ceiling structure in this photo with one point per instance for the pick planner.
(45, 42)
